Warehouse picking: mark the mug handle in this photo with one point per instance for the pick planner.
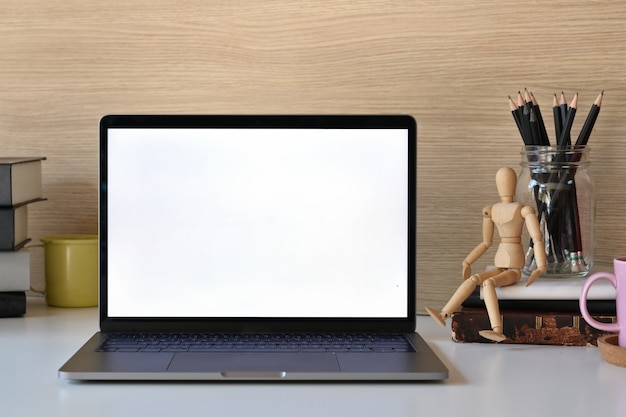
(607, 327)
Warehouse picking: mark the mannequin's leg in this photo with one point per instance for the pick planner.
(505, 278)
(461, 294)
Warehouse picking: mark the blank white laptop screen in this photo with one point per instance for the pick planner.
(253, 222)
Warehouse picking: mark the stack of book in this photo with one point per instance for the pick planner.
(545, 313)
(20, 185)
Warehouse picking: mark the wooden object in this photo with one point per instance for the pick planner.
(509, 218)
(611, 351)
(450, 64)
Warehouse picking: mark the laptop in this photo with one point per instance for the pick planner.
(257, 247)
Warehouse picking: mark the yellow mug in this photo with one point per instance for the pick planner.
(71, 269)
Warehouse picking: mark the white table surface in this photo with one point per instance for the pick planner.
(485, 380)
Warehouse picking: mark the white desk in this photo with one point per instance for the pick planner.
(485, 380)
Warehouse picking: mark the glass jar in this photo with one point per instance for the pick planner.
(555, 181)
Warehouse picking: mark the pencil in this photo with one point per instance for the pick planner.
(535, 133)
(527, 98)
(520, 100)
(556, 110)
(564, 139)
(545, 141)
(585, 132)
(563, 106)
(526, 125)
(516, 117)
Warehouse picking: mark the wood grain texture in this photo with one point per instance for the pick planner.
(450, 64)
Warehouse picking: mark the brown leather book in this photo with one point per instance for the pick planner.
(528, 327)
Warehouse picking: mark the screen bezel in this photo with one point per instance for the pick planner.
(254, 324)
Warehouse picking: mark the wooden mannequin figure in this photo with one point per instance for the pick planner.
(509, 218)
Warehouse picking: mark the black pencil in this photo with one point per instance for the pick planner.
(564, 139)
(523, 115)
(585, 132)
(535, 132)
(545, 141)
(516, 116)
(563, 106)
(556, 110)
(526, 125)
(520, 100)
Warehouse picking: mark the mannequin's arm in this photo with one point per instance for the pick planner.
(481, 248)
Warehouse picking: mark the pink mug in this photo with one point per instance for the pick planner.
(618, 279)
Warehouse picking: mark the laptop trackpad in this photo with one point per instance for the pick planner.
(253, 362)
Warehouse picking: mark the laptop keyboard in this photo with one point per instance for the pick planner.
(194, 342)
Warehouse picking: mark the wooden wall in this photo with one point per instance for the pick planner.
(451, 64)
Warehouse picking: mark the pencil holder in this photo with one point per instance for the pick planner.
(556, 182)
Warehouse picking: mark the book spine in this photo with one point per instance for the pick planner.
(526, 327)
(13, 227)
(12, 304)
(598, 307)
(5, 185)
(15, 271)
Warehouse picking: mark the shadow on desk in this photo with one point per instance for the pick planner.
(454, 376)
(36, 307)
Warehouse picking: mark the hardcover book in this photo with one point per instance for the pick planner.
(15, 271)
(13, 227)
(595, 306)
(547, 288)
(12, 304)
(528, 327)
(20, 180)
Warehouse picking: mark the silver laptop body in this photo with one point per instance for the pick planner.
(256, 227)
